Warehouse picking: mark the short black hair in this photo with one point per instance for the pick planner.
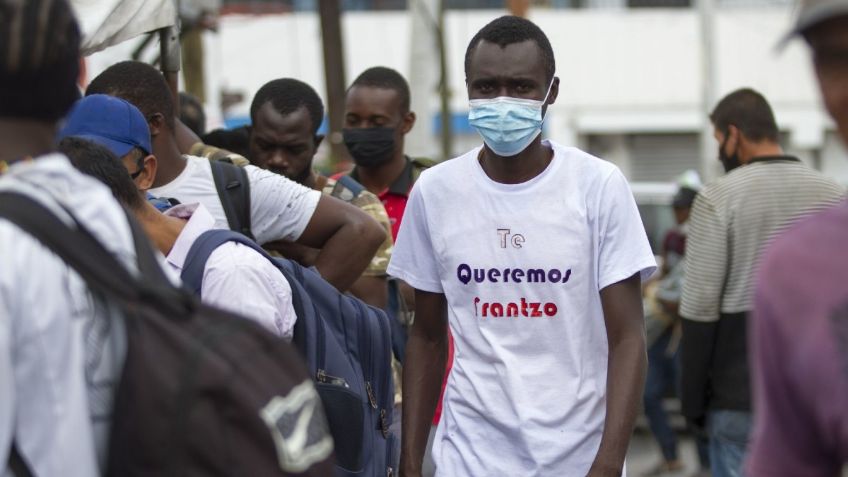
(286, 96)
(39, 59)
(140, 84)
(508, 30)
(749, 111)
(385, 78)
(97, 161)
(192, 113)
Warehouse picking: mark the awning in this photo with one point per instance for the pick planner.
(108, 22)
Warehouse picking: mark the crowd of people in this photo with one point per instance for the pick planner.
(523, 297)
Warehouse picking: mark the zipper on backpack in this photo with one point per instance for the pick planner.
(323, 377)
(384, 424)
(370, 391)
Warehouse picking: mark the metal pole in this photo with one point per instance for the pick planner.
(170, 54)
(423, 75)
(709, 79)
(444, 86)
(334, 73)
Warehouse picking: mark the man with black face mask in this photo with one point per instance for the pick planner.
(377, 117)
(732, 221)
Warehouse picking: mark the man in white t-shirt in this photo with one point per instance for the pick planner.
(533, 254)
(280, 209)
(236, 277)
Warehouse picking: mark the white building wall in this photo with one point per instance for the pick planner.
(622, 71)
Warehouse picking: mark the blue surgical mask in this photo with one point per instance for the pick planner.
(508, 125)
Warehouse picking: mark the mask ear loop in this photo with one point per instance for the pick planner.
(545, 101)
(550, 86)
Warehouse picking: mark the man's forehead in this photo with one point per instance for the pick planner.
(374, 98)
(522, 59)
(269, 121)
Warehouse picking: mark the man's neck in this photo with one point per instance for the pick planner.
(170, 162)
(528, 164)
(764, 149)
(25, 138)
(162, 229)
(378, 179)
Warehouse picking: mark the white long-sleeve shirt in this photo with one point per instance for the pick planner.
(61, 347)
(236, 278)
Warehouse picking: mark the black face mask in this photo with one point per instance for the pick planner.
(729, 162)
(370, 147)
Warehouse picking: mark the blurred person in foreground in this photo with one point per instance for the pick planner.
(62, 346)
(800, 321)
(733, 220)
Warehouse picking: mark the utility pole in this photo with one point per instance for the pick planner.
(444, 86)
(334, 73)
(429, 49)
(709, 79)
(423, 75)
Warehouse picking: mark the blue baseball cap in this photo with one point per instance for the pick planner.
(109, 121)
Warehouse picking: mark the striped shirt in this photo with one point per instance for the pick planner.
(732, 221)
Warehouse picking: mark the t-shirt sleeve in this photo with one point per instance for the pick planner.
(623, 244)
(414, 258)
(280, 209)
(706, 262)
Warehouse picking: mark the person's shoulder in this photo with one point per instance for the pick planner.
(232, 257)
(809, 244)
(449, 170)
(263, 177)
(346, 188)
(54, 183)
(581, 163)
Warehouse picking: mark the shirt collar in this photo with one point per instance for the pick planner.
(401, 185)
(199, 220)
(773, 159)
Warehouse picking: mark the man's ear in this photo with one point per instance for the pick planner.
(734, 138)
(144, 181)
(319, 138)
(552, 96)
(156, 123)
(408, 122)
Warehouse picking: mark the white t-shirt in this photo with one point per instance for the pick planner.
(522, 266)
(62, 347)
(279, 208)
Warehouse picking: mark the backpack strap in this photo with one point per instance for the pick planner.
(233, 189)
(17, 464)
(78, 248)
(207, 242)
(350, 183)
(202, 248)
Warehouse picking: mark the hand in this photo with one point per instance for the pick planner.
(698, 425)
